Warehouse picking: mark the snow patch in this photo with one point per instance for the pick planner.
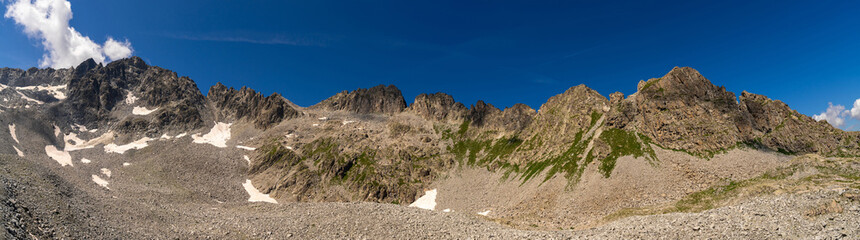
(256, 195)
(53, 90)
(181, 135)
(56, 131)
(323, 118)
(101, 182)
(447, 210)
(289, 147)
(315, 124)
(61, 157)
(25, 97)
(139, 144)
(247, 159)
(20, 153)
(246, 148)
(106, 172)
(84, 160)
(428, 201)
(484, 213)
(73, 143)
(12, 132)
(125, 164)
(165, 137)
(218, 136)
(346, 122)
(130, 99)
(142, 111)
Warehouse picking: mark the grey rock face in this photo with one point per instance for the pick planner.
(379, 99)
(516, 118)
(249, 105)
(93, 96)
(776, 126)
(439, 107)
(481, 111)
(681, 110)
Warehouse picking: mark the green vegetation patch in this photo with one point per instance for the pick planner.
(567, 162)
(623, 143)
(651, 82)
(595, 115)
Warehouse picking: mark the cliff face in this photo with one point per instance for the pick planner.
(439, 107)
(379, 99)
(95, 95)
(776, 126)
(246, 104)
(682, 110)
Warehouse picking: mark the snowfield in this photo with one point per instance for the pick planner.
(53, 90)
(25, 97)
(256, 195)
(218, 136)
(61, 157)
(428, 201)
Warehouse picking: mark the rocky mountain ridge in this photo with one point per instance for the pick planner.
(120, 133)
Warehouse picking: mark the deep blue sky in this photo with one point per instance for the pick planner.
(502, 52)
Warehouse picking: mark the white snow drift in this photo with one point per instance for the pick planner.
(106, 172)
(245, 147)
(142, 111)
(20, 153)
(101, 182)
(218, 136)
(61, 157)
(139, 144)
(53, 90)
(428, 201)
(12, 132)
(256, 195)
(484, 213)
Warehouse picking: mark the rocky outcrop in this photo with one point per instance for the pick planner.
(94, 95)
(438, 107)
(482, 112)
(35, 76)
(681, 110)
(379, 99)
(776, 126)
(246, 104)
(516, 118)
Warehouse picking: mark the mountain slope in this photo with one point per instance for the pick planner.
(127, 134)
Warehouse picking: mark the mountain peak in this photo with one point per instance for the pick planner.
(378, 99)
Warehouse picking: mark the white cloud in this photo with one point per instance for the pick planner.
(117, 50)
(855, 111)
(48, 20)
(835, 115)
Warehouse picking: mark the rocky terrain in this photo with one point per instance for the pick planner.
(127, 150)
